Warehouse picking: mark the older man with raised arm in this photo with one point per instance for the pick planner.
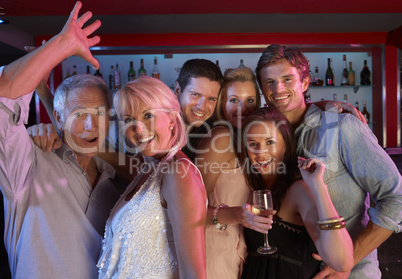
(56, 203)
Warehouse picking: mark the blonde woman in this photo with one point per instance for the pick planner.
(156, 229)
(217, 159)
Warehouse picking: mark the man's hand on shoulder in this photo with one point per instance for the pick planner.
(45, 136)
(341, 107)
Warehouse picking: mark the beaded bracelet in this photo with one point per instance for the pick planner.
(215, 219)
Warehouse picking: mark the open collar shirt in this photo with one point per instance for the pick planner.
(54, 220)
(357, 168)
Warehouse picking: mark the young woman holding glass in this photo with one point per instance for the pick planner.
(306, 221)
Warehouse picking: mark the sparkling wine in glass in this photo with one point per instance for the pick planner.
(263, 206)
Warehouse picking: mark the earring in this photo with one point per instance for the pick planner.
(171, 127)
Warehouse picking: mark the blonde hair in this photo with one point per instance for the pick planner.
(243, 74)
(155, 94)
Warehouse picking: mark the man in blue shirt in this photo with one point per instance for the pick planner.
(357, 168)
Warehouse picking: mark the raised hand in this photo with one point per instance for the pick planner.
(24, 74)
(76, 37)
(312, 170)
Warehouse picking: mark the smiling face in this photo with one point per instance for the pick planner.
(198, 100)
(265, 147)
(148, 129)
(85, 121)
(283, 89)
(240, 100)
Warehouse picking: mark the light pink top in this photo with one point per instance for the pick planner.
(226, 250)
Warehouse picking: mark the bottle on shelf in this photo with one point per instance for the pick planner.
(345, 98)
(131, 72)
(98, 74)
(333, 71)
(345, 72)
(155, 71)
(141, 71)
(334, 97)
(329, 76)
(365, 112)
(117, 78)
(241, 64)
(74, 70)
(365, 74)
(67, 73)
(111, 78)
(357, 105)
(317, 79)
(351, 75)
(312, 77)
(217, 64)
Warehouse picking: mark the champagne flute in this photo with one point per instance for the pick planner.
(263, 206)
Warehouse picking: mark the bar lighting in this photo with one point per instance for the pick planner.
(3, 21)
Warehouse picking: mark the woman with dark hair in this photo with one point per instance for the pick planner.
(306, 220)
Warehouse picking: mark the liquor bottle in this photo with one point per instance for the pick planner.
(333, 71)
(98, 74)
(241, 64)
(317, 81)
(67, 73)
(217, 64)
(365, 113)
(335, 97)
(357, 105)
(155, 71)
(141, 71)
(117, 78)
(111, 78)
(345, 98)
(365, 75)
(312, 77)
(329, 76)
(131, 72)
(345, 72)
(351, 75)
(74, 70)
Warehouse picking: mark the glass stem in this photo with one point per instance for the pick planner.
(266, 244)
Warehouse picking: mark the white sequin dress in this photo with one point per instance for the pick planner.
(138, 240)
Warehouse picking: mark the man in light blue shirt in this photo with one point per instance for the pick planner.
(357, 168)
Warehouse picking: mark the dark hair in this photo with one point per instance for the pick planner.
(275, 52)
(196, 68)
(291, 174)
